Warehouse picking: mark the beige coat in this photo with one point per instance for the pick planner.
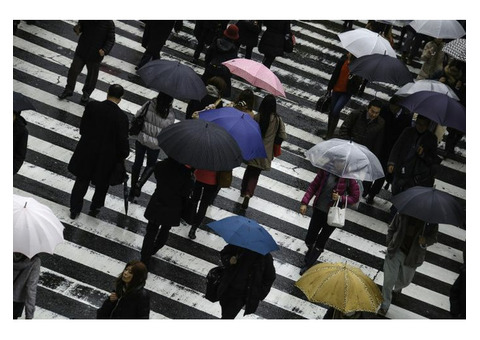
(276, 124)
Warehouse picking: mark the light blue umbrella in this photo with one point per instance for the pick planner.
(246, 233)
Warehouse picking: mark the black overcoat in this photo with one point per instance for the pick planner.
(156, 34)
(273, 39)
(248, 30)
(174, 185)
(20, 140)
(132, 305)
(95, 35)
(103, 142)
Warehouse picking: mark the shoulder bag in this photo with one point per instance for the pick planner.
(137, 122)
(214, 277)
(324, 102)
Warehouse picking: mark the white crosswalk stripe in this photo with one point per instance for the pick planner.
(101, 246)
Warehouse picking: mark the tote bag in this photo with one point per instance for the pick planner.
(336, 215)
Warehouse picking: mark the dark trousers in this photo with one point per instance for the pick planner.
(339, 100)
(199, 48)
(231, 306)
(80, 189)
(155, 238)
(205, 193)
(248, 52)
(149, 55)
(18, 309)
(373, 188)
(318, 230)
(74, 71)
(250, 180)
(140, 151)
(268, 60)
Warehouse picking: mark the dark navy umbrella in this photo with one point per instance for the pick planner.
(438, 107)
(201, 144)
(382, 68)
(21, 103)
(242, 127)
(430, 205)
(173, 78)
(246, 233)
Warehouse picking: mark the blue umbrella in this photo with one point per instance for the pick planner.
(241, 127)
(243, 232)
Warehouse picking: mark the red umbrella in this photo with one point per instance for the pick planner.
(256, 74)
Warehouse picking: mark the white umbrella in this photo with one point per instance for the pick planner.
(426, 85)
(36, 229)
(442, 29)
(362, 41)
(345, 159)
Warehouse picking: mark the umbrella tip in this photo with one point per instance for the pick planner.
(25, 205)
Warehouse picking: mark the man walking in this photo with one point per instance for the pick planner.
(103, 144)
(96, 40)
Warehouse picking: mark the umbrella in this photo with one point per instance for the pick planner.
(242, 127)
(362, 41)
(21, 103)
(457, 49)
(345, 159)
(341, 286)
(430, 205)
(438, 107)
(443, 29)
(400, 23)
(173, 78)
(246, 233)
(383, 68)
(426, 85)
(35, 228)
(201, 144)
(256, 74)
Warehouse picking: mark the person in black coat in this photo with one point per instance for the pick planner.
(273, 40)
(97, 38)
(174, 185)
(248, 31)
(155, 36)
(20, 139)
(205, 32)
(129, 300)
(248, 279)
(103, 144)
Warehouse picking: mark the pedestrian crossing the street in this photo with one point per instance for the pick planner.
(76, 279)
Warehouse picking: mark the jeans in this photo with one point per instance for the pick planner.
(395, 274)
(140, 150)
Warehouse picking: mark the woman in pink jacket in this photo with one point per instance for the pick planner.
(327, 189)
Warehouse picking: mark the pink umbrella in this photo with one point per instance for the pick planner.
(256, 74)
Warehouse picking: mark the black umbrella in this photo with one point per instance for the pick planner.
(430, 205)
(201, 144)
(382, 68)
(21, 103)
(173, 78)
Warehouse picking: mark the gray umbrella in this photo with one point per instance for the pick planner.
(381, 67)
(201, 144)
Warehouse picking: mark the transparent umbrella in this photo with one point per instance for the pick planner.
(346, 159)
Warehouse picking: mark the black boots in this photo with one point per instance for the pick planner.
(133, 184)
(310, 258)
(137, 184)
(191, 233)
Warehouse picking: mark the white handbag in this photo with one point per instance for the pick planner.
(336, 215)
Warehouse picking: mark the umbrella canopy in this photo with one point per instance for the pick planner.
(382, 68)
(341, 286)
(456, 49)
(362, 41)
(242, 127)
(256, 74)
(173, 78)
(35, 228)
(438, 107)
(429, 205)
(426, 85)
(400, 23)
(245, 233)
(345, 159)
(443, 29)
(201, 144)
(21, 103)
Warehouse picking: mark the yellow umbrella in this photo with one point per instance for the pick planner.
(341, 286)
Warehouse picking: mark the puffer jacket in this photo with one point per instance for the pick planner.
(153, 125)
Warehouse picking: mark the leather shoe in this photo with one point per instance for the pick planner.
(93, 212)
(65, 94)
(191, 233)
(85, 98)
(74, 214)
(246, 199)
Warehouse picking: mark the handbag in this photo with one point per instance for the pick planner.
(336, 215)
(289, 42)
(136, 124)
(214, 277)
(324, 102)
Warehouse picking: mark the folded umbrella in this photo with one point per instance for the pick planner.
(245, 233)
(382, 68)
(362, 41)
(256, 74)
(242, 127)
(442, 29)
(36, 229)
(21, 103)
(173, 78)
(201, 144)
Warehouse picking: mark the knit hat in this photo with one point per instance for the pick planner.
(231, 32)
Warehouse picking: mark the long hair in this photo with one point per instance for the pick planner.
(248, 99)
(164, 102)
(267, 107)
(139, 277)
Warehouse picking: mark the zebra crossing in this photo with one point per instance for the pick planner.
(77, 278)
